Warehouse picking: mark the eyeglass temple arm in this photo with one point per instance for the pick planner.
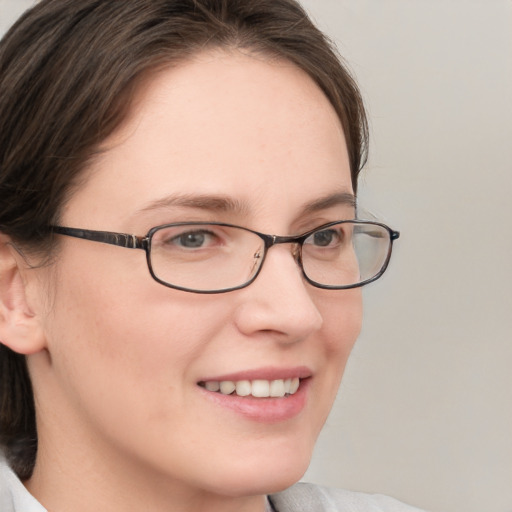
(106, 237)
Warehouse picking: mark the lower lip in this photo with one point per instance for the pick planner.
(263, 410)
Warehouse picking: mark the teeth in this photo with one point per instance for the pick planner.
(294, 386)
(261, 388)
(258, 388)
(212, 386)
(227, 387)
(277, 388)
(243, 388)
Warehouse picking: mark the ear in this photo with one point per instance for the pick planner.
(20, 327)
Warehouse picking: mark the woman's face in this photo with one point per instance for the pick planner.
(224, 137)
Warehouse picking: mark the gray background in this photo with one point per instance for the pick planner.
(425, 410)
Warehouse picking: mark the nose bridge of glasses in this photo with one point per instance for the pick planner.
(296, 241)
(276, 240)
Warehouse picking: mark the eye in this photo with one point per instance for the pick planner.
(194, 239)
(325, 238)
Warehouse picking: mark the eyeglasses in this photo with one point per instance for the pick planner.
(214, 257)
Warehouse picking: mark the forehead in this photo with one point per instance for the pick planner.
(223, 123)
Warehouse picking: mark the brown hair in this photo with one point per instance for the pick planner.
(68, 71)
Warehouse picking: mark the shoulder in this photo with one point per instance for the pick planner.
(13, 495)
(313, 498)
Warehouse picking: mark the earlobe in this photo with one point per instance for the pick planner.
(20, 327)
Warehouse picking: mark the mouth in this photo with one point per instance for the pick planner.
(257, 388)
(265, 395)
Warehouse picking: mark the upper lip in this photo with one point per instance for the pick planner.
(268, 373)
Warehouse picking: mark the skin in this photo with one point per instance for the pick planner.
(115, 357)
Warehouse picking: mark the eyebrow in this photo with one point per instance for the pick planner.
(226, 204)
(213, 203)
(331, 200)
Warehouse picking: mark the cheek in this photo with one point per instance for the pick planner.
(130, 341)
(342, 312)
(140, 333)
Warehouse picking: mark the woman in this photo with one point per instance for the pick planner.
(220, 141)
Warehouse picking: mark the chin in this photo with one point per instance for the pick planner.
(268, 483)
(269, 475)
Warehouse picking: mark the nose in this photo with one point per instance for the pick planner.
(279, 301)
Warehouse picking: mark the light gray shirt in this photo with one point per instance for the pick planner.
(14, 497)
(304, 497)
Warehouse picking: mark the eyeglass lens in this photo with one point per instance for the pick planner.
(211, 257)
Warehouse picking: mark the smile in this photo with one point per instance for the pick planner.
(257, 388)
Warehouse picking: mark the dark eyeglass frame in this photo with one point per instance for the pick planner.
(144, 242)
